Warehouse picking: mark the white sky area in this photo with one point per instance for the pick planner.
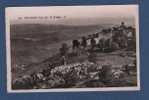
(73, 14)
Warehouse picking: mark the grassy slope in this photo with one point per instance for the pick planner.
(32, 43)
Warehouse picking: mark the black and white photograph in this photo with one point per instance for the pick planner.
(72, 48)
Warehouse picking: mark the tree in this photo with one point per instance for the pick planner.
(64, 52)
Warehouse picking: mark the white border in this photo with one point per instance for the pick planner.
(8, 60)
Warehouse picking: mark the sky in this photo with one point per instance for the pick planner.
(71, 14)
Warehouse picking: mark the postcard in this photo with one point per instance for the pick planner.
(72, 48)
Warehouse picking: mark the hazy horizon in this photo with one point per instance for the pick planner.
(99, 21)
